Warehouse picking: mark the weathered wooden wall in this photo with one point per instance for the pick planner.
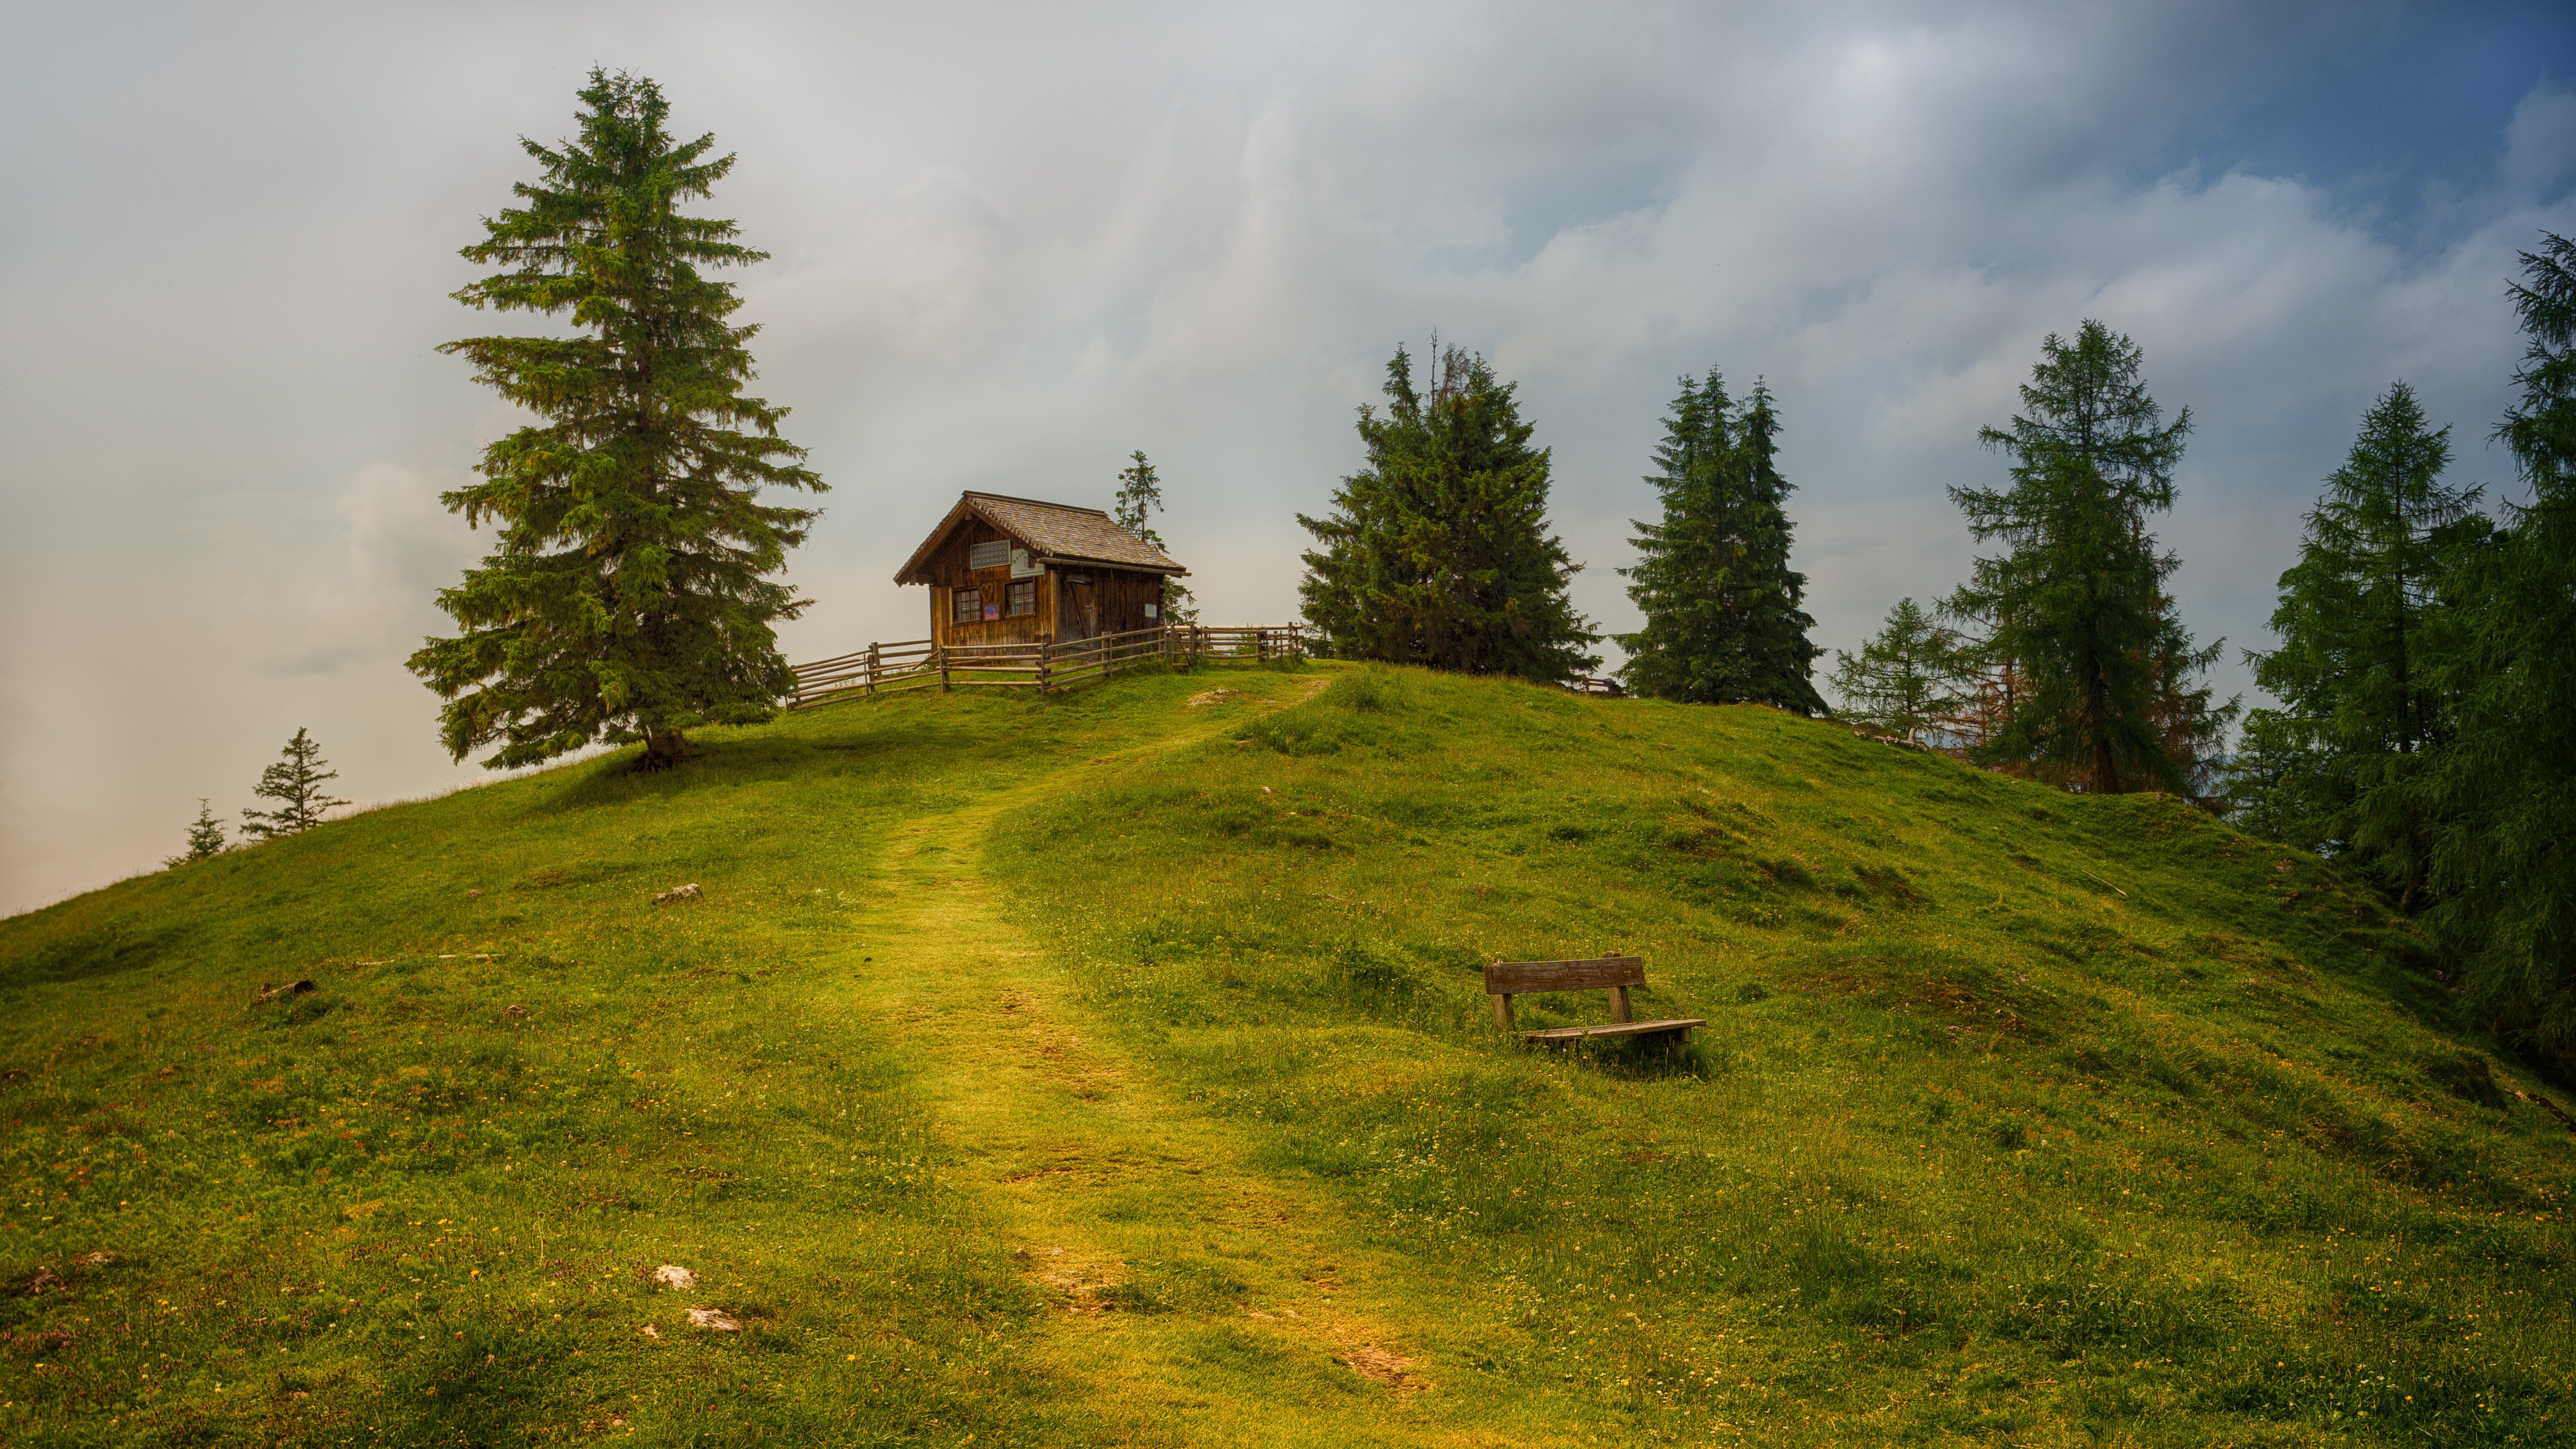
(1091, 601)
(948, 569)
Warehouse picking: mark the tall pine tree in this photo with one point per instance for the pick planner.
(2506, 859)
(1723, 622)
(1438, 552)
(1140, 497)
(627, 597)
(2101, 668)
(2360, 711)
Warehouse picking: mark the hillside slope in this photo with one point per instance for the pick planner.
(1115, 1069)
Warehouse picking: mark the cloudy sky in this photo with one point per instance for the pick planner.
(1012, 243)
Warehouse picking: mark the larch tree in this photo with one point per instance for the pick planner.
(1140, 497)
(2506, 857)
(2361, 709)
(1990, 682)
(1910, 679)
(1724, 616)
(628, 596)
(295, 783)
(1438, 551)
(2077, 615)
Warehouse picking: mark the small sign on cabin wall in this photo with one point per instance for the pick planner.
(1023, 567)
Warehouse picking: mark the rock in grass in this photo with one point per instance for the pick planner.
(689, 892)
(716, 1319)
(672, 1275)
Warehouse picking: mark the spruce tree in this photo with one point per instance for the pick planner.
(2506, 856)
(2102, 669)
(1909, 680)
(295, 783)
(1437, 552)
(205, 838)
(1723, 622)
(628, 596)
(1140, 497)
(2360, 713)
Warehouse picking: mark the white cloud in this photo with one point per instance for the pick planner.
(2540, 143)
(364, 596)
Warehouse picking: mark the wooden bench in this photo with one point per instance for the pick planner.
(1507, 979)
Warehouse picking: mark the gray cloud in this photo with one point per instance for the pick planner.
(1013, 243)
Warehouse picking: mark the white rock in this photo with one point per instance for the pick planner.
(715, 1318)
(672, 1275)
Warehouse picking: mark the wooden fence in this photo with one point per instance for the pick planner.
(920, 664)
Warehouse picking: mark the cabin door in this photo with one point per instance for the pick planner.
(1081, 611)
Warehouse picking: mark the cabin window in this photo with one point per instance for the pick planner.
(993, 555)
(1022, 598)
(965, 605)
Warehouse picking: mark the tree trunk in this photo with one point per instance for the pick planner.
(663, 751)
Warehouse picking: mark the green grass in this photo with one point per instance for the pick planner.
(1116, 1069)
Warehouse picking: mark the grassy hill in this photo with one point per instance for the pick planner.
(1116, 1069)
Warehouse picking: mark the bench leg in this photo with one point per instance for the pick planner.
(1619, 1004)
(1503, 1012)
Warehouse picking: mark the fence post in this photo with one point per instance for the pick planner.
(1046, 657)
(941, 651)
(872, 671)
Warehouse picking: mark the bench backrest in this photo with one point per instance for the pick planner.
(1515, 978)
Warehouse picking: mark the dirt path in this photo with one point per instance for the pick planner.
(1195, 1300)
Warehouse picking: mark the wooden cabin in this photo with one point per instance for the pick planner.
(1017, 571)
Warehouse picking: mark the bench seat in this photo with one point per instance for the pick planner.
(1681, 1026)
(1613, 973)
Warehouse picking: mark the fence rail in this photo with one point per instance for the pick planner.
(921, 664)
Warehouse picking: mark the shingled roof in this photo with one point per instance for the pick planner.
(1051, 532)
